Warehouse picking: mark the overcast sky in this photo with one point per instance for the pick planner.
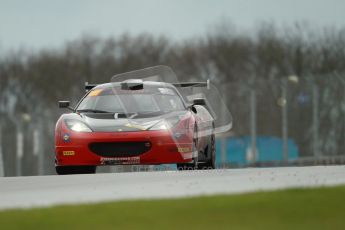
(36, 24)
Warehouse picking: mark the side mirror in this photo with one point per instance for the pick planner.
(64, 104)
(199, 101)
(193, 109)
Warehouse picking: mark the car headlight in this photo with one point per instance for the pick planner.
(77, 126)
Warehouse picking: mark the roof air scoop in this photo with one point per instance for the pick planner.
(132, 84)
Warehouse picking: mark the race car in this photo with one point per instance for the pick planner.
(135, 122)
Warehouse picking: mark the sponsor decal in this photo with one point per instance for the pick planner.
(184, 150)
(95, 92)
(195, 153)
(66, 137)
(120, 160)
(68, 153)
(135, 126)
(187, 155)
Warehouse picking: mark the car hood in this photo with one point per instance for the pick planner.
(106, 122)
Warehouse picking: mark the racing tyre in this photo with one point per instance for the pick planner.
(211, 155)
(65, 170)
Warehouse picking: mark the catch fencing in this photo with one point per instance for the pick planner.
(292, 120)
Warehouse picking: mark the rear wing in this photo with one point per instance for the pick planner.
(205, 84)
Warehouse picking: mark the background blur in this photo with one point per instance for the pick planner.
(280, 66)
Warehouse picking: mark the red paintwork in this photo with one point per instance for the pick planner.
(164, 148)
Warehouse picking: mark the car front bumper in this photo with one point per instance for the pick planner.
(73, 148)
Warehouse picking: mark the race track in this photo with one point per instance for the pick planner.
(26, 192)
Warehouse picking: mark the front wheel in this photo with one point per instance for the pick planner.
(65, 170)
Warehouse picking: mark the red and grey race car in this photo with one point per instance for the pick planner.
(135, 122)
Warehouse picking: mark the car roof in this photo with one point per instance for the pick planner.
(146, 83)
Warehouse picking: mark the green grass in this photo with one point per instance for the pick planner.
(321, 208)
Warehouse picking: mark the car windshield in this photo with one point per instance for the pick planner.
(150, 101)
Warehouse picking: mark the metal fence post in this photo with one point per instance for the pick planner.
(253, 124)
(223, 139)
(19, 148)
(285, 121)
(2, 170)
(37, 151)
(316, 121)
(223, 151)
(20, 153)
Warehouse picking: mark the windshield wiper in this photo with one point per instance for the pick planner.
(92, 111)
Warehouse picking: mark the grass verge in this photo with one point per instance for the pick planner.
(317, 208)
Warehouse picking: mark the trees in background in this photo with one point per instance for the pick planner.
(305, 59)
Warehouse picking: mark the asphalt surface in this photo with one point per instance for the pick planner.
(37, 191)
